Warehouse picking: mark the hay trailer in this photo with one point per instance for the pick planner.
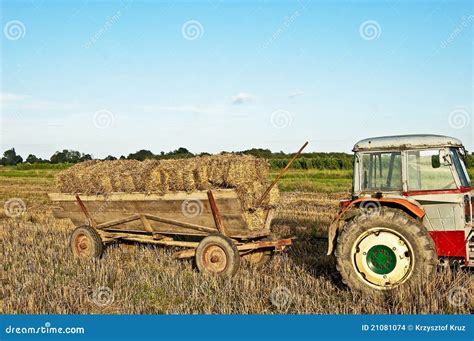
(209, 225)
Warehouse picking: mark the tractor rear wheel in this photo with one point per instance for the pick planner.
(384, 249)
(85, 242)
(217, 254)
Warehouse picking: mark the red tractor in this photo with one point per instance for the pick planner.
(410, 211)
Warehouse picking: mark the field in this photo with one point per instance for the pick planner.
(41, 276)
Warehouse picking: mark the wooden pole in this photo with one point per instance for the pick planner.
(215, 213)
(283, 171)
(86, 212)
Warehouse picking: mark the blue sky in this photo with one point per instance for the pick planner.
(114, 77)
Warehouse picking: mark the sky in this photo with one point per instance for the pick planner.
(113, 77)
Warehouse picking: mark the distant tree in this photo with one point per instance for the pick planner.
(10, 158)
(141, 155)
(32, 159)
(122, 157)
(259, 152)
(85, 157)
(69, 156)
(179, 153)
(110, 158)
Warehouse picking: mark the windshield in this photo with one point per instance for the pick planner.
(460, 168)
(427, 171)
(381, 171)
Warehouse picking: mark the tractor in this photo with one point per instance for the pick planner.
(410, 212)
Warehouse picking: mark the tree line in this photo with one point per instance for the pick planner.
(276, 159)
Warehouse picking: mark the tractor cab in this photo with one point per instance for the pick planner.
(412, 200)
(404, 164)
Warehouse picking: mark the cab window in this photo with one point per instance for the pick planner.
(428, 170)
(381, 171)
(460, 168)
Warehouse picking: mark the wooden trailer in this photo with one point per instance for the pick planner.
(208, 226)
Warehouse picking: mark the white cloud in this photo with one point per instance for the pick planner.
(296, 94)
(10, 98)
(180, 108)
(242, 98)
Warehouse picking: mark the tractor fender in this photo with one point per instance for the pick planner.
(416, 210)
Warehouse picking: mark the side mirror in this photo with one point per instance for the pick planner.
(435, 161)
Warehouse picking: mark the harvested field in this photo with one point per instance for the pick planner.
(311, 210)
(41, 276)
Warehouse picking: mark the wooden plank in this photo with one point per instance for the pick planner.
(184, 254)
(146, 223)
(226, 206)
(181, 224)
(277, 244)
(265, 244)
(165, 242)
(215, 214)
(118, 221)
(120, 196)
(269, 218)
(235, 223)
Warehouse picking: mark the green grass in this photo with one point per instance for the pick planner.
(59, 166)
(314, 180)
(14, 172)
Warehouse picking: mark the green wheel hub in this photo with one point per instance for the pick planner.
(381, 259)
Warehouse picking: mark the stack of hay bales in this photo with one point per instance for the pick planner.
(248, 175)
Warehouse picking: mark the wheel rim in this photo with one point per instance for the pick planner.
(83, 245)
(383, 258)
(214, 259)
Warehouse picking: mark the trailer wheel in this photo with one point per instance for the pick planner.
(217, 254)
(383, 250)
(86, 243)
(258, 258)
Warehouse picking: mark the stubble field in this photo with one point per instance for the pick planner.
(41, 276)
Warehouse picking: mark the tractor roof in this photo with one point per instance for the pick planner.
(403, 142)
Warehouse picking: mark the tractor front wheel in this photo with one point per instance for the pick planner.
(384, 249)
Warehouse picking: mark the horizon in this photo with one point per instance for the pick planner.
(111, 78)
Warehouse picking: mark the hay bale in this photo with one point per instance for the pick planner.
(246, 174)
